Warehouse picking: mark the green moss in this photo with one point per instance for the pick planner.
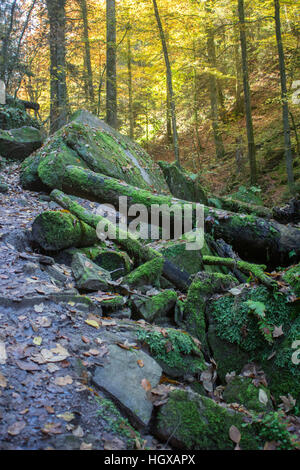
(186, 260)
(115, 261)
(176, 351)
(236, 339)
(56, 230)
(292, 277)
(200, 290)
(116, 424)
(29, 177)
(115, 303)
(241, 390)
(198, 423)
(146, 274)
(157, 306)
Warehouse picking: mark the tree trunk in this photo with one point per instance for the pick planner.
(130, 99)
(285, 107)
(111, 64)
(88, 72)
(213, 89)
(253, 238)
(58, 85)
(169, 82)
(247, 94)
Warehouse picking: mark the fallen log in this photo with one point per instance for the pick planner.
(248, 268)
(253, 238)
(136, 250)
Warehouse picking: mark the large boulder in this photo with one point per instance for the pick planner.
(194, 422)
(17, 144)
(89, 142)
(182, 184)
(122, 376)
(88, 275)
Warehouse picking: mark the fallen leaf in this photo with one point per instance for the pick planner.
(235, 436)
(140, 363)
(263, 397)
(15, 428)
(78, 432)
(86, 446)
(3, 355)
(62, 381)
(67, 416)
(52, 428)
(114, 444)
(93, 323)
(3, 381)
(39, 308)
(277, 332)
(146, 385)
(37, 340)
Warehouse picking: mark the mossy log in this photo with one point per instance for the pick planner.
(140, 253)
(254, 238)
(56, 230)
(248, 268)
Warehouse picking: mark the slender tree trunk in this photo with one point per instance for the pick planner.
(285, 107)
(130, 97)
(111, 64)
(5, 44)
(213, 88)
(169, 117)
(170, 83)
(88, 72)
(58, 85)
(247, 94)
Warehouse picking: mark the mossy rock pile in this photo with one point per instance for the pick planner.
(88, 142)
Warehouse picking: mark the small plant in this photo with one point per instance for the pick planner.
(259, 309)
(272, 428)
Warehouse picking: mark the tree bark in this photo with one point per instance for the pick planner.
(169, 82)
(58, 84)
(247, 94)
(213, 89)
(111, 64)
(130, 93)
(285, 106)
(254, 238)
(88, 71)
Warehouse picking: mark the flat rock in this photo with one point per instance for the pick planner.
(124, 384)
(88, 275)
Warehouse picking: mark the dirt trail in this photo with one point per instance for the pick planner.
(47, 351)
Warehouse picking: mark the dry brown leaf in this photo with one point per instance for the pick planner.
(146, 385)
(3, 381)
(62, 381)
(15, 428)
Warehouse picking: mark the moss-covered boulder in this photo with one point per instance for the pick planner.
(88, 275)
(292, 277)
(17, 144)
(155, 307)
(194, 422)
(256, 325)
(242, 390)
(201, 289)
(90, 143)
(147, 274)
(177, 352)
(56, 230)
(115, 261)
(189, 261)
(182, 184)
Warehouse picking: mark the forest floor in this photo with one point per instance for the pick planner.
(47, 400)
(222, 177)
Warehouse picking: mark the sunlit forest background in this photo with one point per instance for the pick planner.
(203, 42)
